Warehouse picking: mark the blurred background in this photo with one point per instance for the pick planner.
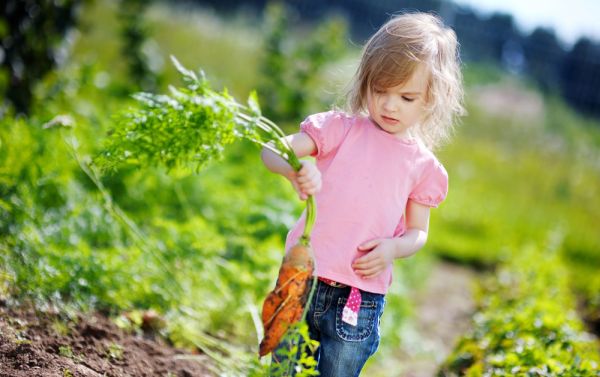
(518, 232)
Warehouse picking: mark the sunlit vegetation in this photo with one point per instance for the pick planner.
(203, 248)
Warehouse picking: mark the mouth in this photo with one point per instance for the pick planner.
(389, 119)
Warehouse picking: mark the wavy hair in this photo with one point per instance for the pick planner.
(391, 56)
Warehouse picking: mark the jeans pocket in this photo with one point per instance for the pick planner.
(367, 321)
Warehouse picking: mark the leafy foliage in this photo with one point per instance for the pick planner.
(290, 68)
(297, 353)
(526, 324)
(191, 126)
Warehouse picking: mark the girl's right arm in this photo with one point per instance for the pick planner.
(308, 180)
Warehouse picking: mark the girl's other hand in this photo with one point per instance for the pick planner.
(307, 181)
(381, 255)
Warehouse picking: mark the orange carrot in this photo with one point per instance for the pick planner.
(284, 305)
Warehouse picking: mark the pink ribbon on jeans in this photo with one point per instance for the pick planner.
(350, 312)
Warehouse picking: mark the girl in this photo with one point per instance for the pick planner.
(374, 180)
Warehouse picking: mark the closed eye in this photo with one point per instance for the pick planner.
(408, 99)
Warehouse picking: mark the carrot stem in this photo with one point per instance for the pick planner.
(311, 215)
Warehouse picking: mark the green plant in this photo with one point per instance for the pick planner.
(526, 324)
(290, 67)
(298, 353)
(66, 351)
(115, 351)
(60, 327)
(192, 126)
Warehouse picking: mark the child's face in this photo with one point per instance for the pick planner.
(398, 108)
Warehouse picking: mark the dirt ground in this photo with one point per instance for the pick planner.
(443, 312)
(40, 344)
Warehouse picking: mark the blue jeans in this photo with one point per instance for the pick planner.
(344, 348)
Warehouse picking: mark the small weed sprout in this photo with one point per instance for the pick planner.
(115, 351)
(66, 351)
(60, 327)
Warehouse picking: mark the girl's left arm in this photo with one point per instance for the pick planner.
(385, 250)
(417, 225)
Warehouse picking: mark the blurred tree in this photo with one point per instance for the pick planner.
(580, 76)
(544, 55)
(290, 68)
(272, 89)
(134, 32)
(471, 32)
(502, 29)
(30, 34)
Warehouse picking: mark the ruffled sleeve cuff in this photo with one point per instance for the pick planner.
(309, 128)
(433, 188)
(327, 130)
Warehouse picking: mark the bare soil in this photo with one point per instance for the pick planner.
(443, 312)
(33, 343)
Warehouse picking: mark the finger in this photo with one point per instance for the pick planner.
(302, 172)
(306, 182)
(306, 168)
(372, 269)
(363, 268)
(369, 245)
(365, 259)
(302, 178)
(360, 264)
(309, 178)
(369, 259)
(306, 190)
(309, 185)
(371, 274)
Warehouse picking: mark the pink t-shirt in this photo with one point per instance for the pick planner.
(368, 176)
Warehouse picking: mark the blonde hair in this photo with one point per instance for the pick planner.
(391, 56)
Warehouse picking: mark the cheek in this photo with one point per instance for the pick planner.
(372, 104)
(419, 111)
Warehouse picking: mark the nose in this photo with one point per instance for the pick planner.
(389, 104)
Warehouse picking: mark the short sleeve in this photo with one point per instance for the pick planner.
(327, 130)
(433, 186)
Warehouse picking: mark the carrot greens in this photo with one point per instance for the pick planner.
(191, 126)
